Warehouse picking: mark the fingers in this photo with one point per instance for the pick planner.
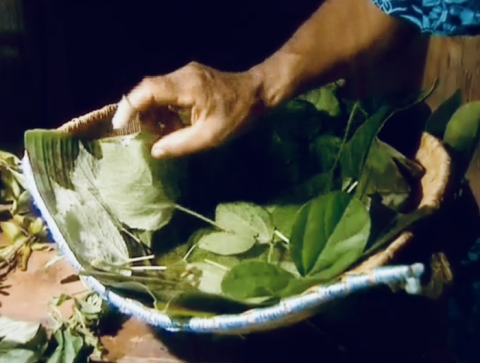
(155, 91)
(198, 137)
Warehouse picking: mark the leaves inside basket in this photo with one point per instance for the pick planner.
(288, 206)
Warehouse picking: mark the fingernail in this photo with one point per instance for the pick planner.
(158, 152)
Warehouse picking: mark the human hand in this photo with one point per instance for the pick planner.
(221, 106)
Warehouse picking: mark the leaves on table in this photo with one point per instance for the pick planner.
(329, 235)
(21, 342)
(70, 346)
(77, 337)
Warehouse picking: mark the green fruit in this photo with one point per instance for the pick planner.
(463, 132)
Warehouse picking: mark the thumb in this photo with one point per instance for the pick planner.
(190, 140)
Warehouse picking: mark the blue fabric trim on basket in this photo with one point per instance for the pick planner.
(438, 17)
(407, 277)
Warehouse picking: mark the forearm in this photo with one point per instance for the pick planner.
(340, 37)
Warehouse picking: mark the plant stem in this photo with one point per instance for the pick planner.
(189, 252)
(216, 265)
(270, 253)
(281, 236)
(138, 259)
(351, 187)
(148, 268)
(199, 216)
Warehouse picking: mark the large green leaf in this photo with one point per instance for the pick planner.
(254, 279)
(64, 175)
(245, 219)
(139, 190)
(355, 153)
(462, 134)
(329, 234)
(382, 176)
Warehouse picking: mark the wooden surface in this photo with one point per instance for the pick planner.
(455, 62)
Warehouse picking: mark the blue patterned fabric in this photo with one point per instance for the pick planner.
(438, 17)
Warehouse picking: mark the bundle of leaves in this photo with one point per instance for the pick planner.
(23, 230)
(313, 191)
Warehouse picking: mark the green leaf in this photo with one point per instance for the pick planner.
(138, 189)
(437, 122)
(19, 355)
(20, 334)
(324, 99)
(21, 342)
(382, 176)
(462, 134)
(356, 151)
(300, 285)
(211, 278)
(70, 347)
(245, 219)
(13, 189)
(36, 227)
(11, 231)
(23, 204)
(197, 303)
(10, 159)
(252, 279)
(284, 217)
(65, 178)
(226, 243)
(329, 234)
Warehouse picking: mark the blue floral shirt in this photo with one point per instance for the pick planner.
(438, 17)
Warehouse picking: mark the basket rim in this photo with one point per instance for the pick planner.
(286, 312)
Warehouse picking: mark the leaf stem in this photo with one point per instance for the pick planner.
(138, 259)
(281, 236)
(189, 252)
(351, 187)
(199, 216)
(270, 253)
(217, 265)
(148, 268)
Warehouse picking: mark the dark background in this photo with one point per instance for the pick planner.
(62, 59)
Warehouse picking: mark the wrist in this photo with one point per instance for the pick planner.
(277, 79)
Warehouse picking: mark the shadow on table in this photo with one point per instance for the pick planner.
(378, 326)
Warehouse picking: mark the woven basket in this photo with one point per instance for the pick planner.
(431, 155)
